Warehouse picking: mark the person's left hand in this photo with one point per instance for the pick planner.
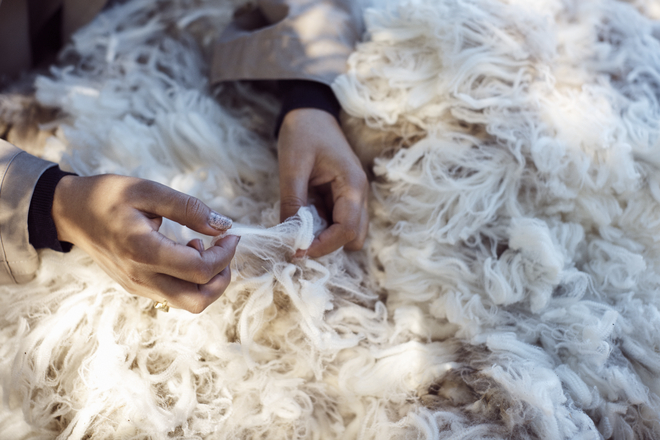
(314, 153)
(115, 219)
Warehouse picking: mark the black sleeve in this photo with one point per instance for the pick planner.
(41, 226)
(305, 94)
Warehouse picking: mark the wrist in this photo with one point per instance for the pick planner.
(308, 121)
(61, 211)
(305, 94)
(41, 226)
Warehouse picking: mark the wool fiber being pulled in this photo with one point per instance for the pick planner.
(510, 285)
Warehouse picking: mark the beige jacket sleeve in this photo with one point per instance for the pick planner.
(20, 172)
(288, 39)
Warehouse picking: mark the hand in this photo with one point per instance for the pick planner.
(313, 152)
(115, 219)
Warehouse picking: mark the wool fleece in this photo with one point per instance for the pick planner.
(510, 284)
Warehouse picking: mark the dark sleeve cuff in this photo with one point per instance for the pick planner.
(41, 226)
(306, 94)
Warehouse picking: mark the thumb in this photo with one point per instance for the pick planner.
(293, 195)
(186, 210)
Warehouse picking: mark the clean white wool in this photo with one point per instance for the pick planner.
(510, 284)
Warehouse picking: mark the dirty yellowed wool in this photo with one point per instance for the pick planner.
(510, 286)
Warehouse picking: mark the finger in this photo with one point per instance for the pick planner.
(336, 236)
(317, 248)
(295, 170)
(187, 263)
(363, 230)
(346, 214)
(188, 296)
(182, 208)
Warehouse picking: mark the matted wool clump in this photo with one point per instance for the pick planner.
(510, 284)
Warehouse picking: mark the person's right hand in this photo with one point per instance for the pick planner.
(314, 153)
(115, 219)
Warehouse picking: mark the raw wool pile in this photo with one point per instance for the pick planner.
(508, 289)
(518, 211)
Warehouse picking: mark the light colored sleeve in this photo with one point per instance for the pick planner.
(19, 172)
(288, 39)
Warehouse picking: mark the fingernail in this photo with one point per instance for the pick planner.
(219, 221)
(236, 240)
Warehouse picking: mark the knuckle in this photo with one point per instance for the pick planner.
(138, 186)
(197, 308)
(360, 180)
(349, 234)
(197, 305)
(136, 279)
(194, 207)
(137, 249)
(289, 206)
(359, 173)
(144, 184)
(203, 273)
(224, 282)
(354, 245)
(291, 201)
(136, 254)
